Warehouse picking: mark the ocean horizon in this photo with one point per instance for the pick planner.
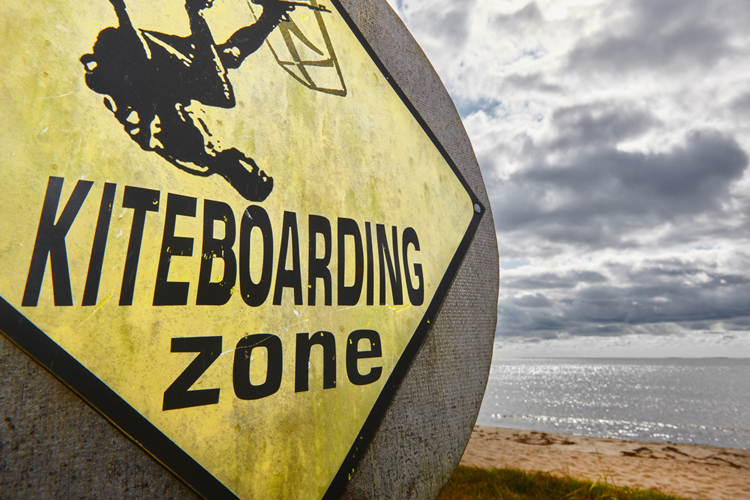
(676, 400)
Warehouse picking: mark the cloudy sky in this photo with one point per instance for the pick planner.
(614, 138)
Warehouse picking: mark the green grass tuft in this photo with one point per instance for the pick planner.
(474, 483)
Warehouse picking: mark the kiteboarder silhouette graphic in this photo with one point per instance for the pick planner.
(157, 84)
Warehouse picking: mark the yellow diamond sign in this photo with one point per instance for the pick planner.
(225, 227)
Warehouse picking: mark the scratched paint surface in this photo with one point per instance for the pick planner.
(360, 156)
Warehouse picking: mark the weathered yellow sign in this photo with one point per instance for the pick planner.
(224, 227)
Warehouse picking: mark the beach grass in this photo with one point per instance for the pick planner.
(474, 483)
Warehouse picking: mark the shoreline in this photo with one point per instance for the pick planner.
(695, 471)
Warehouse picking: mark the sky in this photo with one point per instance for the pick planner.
(613, 137)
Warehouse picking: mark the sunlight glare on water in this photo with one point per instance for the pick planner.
(702, 401)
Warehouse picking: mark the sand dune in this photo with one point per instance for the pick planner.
(699, 472)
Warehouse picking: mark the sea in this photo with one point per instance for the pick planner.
(698, 401)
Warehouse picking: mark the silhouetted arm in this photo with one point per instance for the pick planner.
(247, 40)
(122, 14)
(198, 27)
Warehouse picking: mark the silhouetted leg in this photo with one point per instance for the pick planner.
(243, 174)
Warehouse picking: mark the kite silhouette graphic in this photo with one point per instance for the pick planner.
(157, 85)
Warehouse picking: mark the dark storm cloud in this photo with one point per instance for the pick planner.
(676, 34)
(448, 26)
(667, 271)
(598, 198)
(546, 281)
(521, 322)
(528, 16)
(741, 104)
(599, 124)
(692, 296)
(738, 324)
(580, 190)
(535, 300)
(535, 81)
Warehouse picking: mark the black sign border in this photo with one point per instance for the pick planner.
(104, 400)
(370, 427)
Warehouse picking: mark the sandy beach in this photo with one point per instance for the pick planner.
(695, 471)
